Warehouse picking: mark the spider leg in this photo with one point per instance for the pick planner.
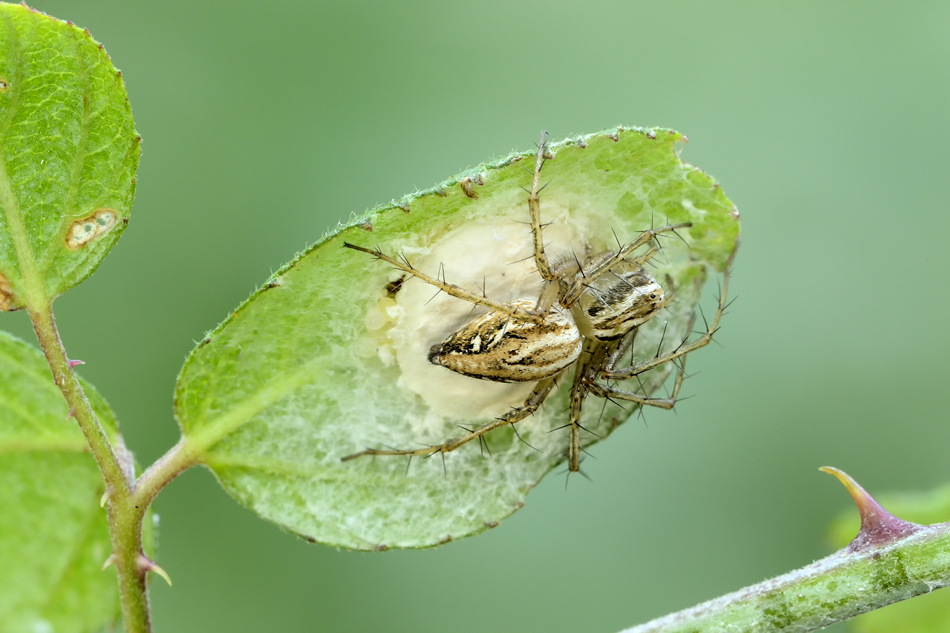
(685, 347)
(626, 343)
(452, 289)
(589, 276)
(593, 355)
(534, 209)
(531, 404)
(603, 391)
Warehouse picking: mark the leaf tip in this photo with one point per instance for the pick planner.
(878, 526)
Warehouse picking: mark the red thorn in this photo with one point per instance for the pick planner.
(146, 564)
(73, 363)
(878, 526)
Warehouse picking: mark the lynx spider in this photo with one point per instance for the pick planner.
(610, 295)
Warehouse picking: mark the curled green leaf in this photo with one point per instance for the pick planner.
(330, 356)
(68, 155)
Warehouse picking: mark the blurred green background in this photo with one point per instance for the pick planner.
(266, 123)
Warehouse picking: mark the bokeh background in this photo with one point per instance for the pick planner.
(266, 123)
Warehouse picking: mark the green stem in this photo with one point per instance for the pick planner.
(830, 590)
(125, 520)
(178, 459)
(125, 514)
(65, 379)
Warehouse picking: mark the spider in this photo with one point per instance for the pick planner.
(586, 314)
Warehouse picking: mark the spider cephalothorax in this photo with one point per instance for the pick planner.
(585, 315)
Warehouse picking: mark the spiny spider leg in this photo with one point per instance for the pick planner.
(592, 356)
(622, 347)
(589, 276)
(534, 208)
(604, 391)
(531, 404)
(612, 373)
(452, 289)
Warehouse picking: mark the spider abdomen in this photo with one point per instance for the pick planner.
(496, 346)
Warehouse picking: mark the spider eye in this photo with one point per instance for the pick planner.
(653, 295)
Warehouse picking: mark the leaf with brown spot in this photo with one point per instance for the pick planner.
(68, 155)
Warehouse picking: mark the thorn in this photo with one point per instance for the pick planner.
(104, 499)
(108, 562)
(149, 565)
(581, 472)
(662, 338)
(437, 293)
(73, 363)
(514, 427)
(619, 245)
(600, 418)
(878, 526)
(588, 431)
(578, 262)
(702, 314)
(70, 414)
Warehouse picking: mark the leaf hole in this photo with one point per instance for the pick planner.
(83, 231)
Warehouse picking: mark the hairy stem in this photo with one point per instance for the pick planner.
(830, 590)
(65, 379)
(125, 514)
(178, 459)
(125, 520)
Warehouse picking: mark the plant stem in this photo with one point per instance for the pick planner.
(178, 459)
(830, 590)
(65, 379)
(125, 520)
(125, 514)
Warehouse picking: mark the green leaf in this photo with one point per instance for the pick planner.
(925, 614)
(68, 154)
(54, 537)
(329, 357)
